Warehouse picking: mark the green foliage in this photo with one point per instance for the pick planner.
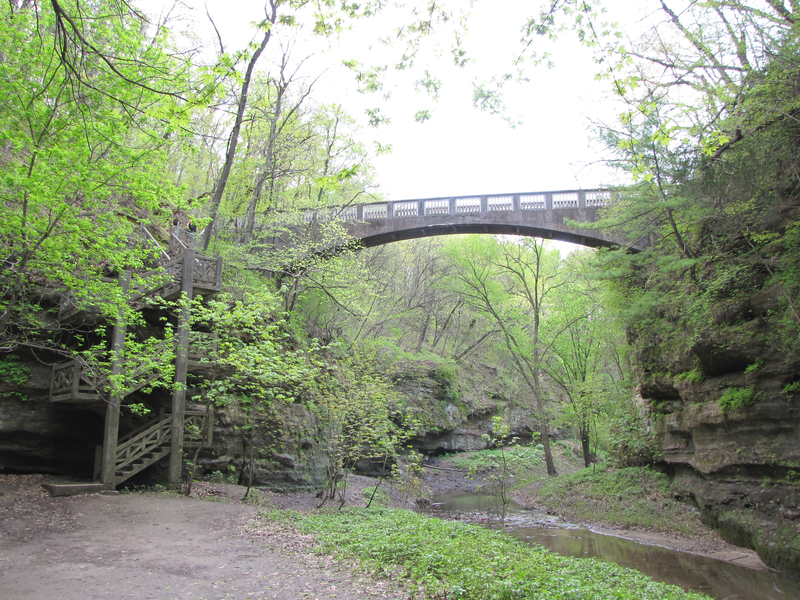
(138, 408)
(736, 397)
(632, 437)
(567, 451)
(713, 192)
(360, 416)
(256, 498)
(792, 389)
(253, 345)
(634, 497)
(694, 376)
(503, 465)
(588, 360)
(792, 477)
(230, 477)
(13, 373)
(756, 366)
(450, 559)
(447, 377)
(446, 373)
(88, 109)
(407, 476)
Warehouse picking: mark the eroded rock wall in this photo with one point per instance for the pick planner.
(456, 412)
(37, 435)
(739, 464)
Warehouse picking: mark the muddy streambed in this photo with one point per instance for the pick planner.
(718, 579)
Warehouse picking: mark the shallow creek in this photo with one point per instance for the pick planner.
(718, 579)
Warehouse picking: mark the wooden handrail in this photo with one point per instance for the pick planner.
(137, 431)
(149, 439)
(152, 239)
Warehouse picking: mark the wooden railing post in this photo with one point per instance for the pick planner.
(218, 278)
(181, 365)
(111, 433)
(76, 378)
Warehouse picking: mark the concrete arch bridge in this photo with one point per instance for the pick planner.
(534, 214)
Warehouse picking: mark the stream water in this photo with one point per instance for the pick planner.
(718, 579)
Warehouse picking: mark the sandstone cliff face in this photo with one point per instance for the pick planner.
(740, 466)
(289, 453)
(37, 435)
(456, 414)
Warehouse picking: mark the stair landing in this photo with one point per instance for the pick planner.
(74, 488)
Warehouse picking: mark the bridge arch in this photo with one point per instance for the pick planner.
(535, 214)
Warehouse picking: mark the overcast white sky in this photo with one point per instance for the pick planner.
(462, 151)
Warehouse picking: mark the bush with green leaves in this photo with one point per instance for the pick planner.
(12, 372)
(359, 415)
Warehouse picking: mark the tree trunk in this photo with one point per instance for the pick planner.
(545, 437)
(219, 190)
(586, 445)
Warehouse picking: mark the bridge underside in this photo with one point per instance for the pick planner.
(433, 230)
(541, 224)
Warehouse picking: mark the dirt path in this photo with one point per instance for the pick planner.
(152, 546)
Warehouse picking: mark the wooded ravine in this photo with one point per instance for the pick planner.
(180, 299)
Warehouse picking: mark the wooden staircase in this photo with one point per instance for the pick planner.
(143, 449)
(164, 281)
(75, 381)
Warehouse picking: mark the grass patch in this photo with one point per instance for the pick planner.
(447, 559)
(633, 498)
(481, 460)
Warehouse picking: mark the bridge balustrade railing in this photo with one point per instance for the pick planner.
(375, 211)
(468, 205)
(437, 207)
(533, 202)
(348, 213)
(567, 200)
(406, 209)
(599, 198)
(500, 203)
(453, 205)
